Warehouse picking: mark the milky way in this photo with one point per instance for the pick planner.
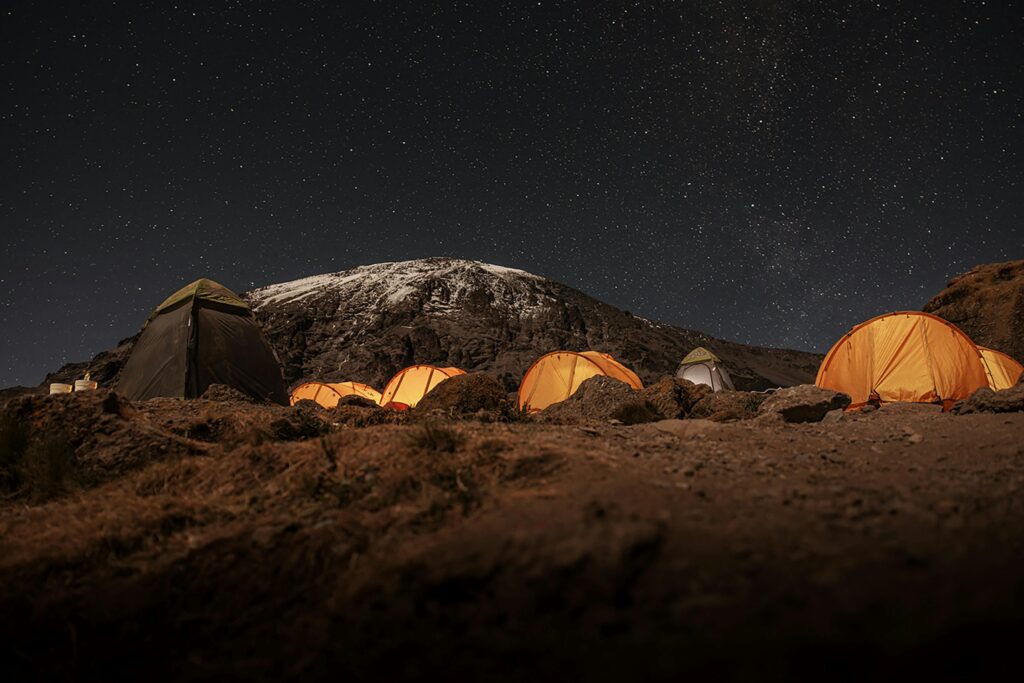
(769, 172)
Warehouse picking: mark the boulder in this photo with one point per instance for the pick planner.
(674, 397)
(601, 398)
(465, 395)
(985, 400)
(802, 403)
(358, 401)
(724, 406)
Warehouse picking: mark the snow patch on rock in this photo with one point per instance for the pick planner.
(443, 285)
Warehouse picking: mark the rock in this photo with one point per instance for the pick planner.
(834, 416)
(985, 400)
(988, 304)
(465, 395)
(723, 406)
(673, 397)
(307, 404)
(803, 403)
(358, 401)
(601, 398)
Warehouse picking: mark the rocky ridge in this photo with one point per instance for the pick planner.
(367, 323)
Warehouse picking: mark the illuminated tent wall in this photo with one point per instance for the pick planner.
(1001, 370)
(410, 385)
(556, 376)
(703, 367)
(202, 334)
(905, 356)
(328, 395)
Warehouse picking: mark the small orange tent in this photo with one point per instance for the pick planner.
(905, 356)
(556, 376)
(413, 383)
(328, 395)
(1002, 371)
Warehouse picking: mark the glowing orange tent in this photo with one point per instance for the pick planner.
(556, 376)
(1002, 371)
(413, 383)
(328, 395)
(905, 356)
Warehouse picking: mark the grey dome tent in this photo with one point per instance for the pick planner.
(703, 367)
(202, 334)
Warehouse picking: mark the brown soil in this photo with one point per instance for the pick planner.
(230, 541)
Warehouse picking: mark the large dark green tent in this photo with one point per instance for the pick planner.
(202, 334)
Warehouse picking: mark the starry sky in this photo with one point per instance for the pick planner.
(768, 172)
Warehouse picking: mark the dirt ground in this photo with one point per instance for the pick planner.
(237, 542)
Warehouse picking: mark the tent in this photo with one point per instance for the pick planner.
(202, 334)
(905, 356)
(406, 388)
(556, 376)
(328, 395)
(1001, 370)
(703, 367)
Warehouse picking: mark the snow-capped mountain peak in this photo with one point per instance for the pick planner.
(446, 281)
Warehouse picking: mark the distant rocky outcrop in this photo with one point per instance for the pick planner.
(987, 303)
(105, 366)
(367, 323)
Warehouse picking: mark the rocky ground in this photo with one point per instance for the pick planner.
(782, 538)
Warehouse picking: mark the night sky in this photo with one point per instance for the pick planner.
(768, 172)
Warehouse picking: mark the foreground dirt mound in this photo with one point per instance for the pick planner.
(601, 399)
(985, 400)
(230, 423)
(674, 398)
(50, 445)
(466, 395)
(884, 545)
(988, 304)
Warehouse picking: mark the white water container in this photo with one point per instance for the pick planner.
(85, 385)
(60, 388)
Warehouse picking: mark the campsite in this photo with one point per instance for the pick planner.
(197, 517)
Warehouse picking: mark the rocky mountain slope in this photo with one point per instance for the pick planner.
(369, 322)
(987, 303)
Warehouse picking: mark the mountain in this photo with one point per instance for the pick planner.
(987, 303)
(368, 322)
